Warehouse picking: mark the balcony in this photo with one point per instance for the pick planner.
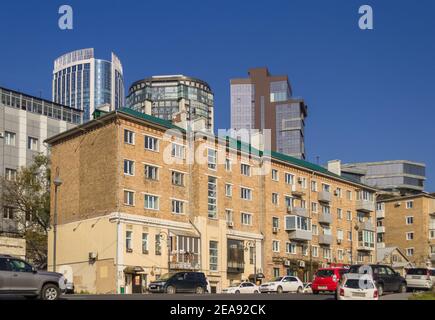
(302, 212)
(380, 245)
(235, 267)
(325, 218)
(366, 246)
(365, 205)
(380, 229)
(325, 239)
(296, 192)
(366, 225)
(380, 214)
(184, 266)
(8, 226)
(300, 235)
(325, 196)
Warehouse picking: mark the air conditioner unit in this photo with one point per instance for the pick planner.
(302, 264)
(339, 241)
(299, 180)
(335, 193)
(230, 224)
(397, 204)
(287, 263)
(275, 229)
(93, 255)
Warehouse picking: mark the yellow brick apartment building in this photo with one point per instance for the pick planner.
(133, 206)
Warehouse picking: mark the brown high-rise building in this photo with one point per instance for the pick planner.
(263, 101)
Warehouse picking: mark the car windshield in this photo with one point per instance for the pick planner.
(358, 284)
(417, 272)
(165, 277)
(325, 273)
(234, 285)
(277, 279)
(358, 269)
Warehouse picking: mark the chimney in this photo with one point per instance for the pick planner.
(334, 166)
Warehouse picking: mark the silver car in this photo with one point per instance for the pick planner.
(17, 277)
(420, 278)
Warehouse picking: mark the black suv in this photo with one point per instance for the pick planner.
(386, 279)
(191, 282)
(20, 278)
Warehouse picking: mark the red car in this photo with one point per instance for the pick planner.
(326, 279)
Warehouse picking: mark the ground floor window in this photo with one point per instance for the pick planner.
(275, 272)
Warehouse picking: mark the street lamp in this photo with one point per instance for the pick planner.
(57, 183)
(248, 245)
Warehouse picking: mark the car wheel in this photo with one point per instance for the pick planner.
(279, 290)
(199, 290)
(299, 290)
(256, 291)
(402, 288)
(50, 292)
(237, 292)
(170, 290)
(380, 290)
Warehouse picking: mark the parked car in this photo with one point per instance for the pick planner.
(385, 278)
(244, 287)
(354, 286)
(326, 279)
(193, 282)
(69, 288)
(283, 284)
(20, 278)
(420, 278)
(308, 287)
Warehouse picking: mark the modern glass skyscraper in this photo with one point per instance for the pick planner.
(165, 96)
(82, 82)
(263, 102)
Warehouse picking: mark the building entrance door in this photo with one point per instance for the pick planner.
(137, 283)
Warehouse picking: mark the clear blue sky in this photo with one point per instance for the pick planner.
(370, 94)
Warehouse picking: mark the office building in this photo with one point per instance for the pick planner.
(83, 82)
(139, 209)
(166, 96)
(263, 101)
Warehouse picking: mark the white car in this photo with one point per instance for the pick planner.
(355, 286)
(283, 284)
(420, 278)
(244, 287)
(308, 288)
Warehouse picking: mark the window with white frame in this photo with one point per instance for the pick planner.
(245, 169)
(326, 209)
(177, 178)
(303, 183)
(275, 245)
(128, 198)
(409, 252)
(177, 150)
(228, 164)
(245, 193)
(339, 192)
(128, 241)
(275, 198)
(8, 213)
(340, 254)
(349, 195)
(212, 197)
(211, 159)
(275, 175)
(326, 187)
(409, 220)
(228, 190)
(128, 136)
(326, 253)
(10, 138)
(314, 207)
(364, 195)
(151, 172)
(314, 186)
(315, 229)
(290, 248)
(32, 144)
(177, 206)
(340, 235)
(349, 215)
(229, 215)
(380, 206)
(349, 235)
(288, 201)
(128, 167)
(339, 214)
(151, 143)
(246, 218)
(275, 222)
(289, 178)
(410, 236)
(145, 243)
(151, 202)
(213, 255)
(409, 204)
(304, 250)
(10, 174)
(315, 251)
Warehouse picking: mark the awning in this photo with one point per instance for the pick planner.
(134, 269)
(259, 276)
(183, 233)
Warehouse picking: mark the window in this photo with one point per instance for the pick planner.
(304, 250)
(229, 215)
(339, 192)
(158, 247)
(409, 252)
(288, 201)
(349, 235)
(326, 253)
(409, 204)
(290, 248)
(177, 178)
(145, 243)
(315, 251)
(212, 197)
(315, 229)
(228, 164)
(151, 172)
(314, 207)
(275, 198)
(246, 193)
(303, 182)
(326, 209)
(364, 195)
(289, 178)
(8, 213)
(275, 272)
(246, 219)
(251, 255)
(340, 254)
(340, 234)
(293, 222)
(349, 195)
(275, 222)
(211, 159)
(228, 190)
(326, 187)
(151, 202)
(410, 236)
(10, 138)
(129, 167)
(275, 175)
(151, 143)
(245, 169)
(431, 234)
(128, 136)
(213, 254)
(128, 241)
(275, 245)
(409, 220)
(349, 215)
(128, 198)
(177, 206)
(380, 206)
(314, 186)
(10, 174)
(32, 144)
(339, 214)
(177, 151)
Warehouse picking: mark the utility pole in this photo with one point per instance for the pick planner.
(57, 183)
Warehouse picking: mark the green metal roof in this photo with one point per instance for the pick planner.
(164, 123)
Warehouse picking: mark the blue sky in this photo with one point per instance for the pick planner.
(370, 93)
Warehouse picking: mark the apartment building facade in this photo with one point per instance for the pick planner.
(136, 207)
(408, 222)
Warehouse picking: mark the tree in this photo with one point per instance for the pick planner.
(29, 195)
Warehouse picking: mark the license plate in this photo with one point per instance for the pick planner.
(323, 287)
(415, 277)
(358, 294)
(152, 287)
